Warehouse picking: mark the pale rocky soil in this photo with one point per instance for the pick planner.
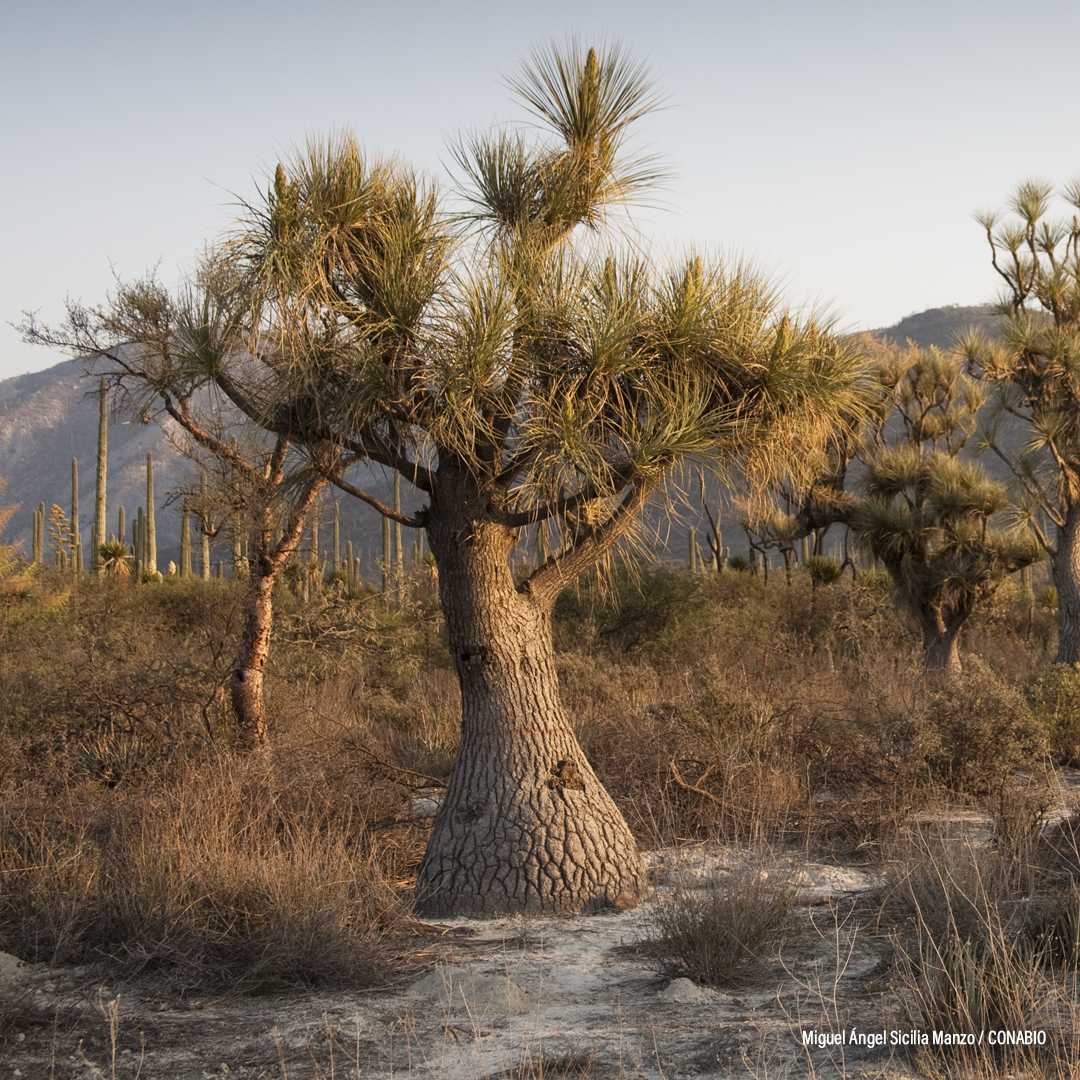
(509, 998)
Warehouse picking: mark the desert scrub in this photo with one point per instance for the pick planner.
(710, 934)
(1056, 702)
(227, 871)
(973, 730)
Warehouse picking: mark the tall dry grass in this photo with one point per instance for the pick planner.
(712, 706)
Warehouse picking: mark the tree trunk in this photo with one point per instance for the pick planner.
(1065, 566)
(246, 681)
(525, 825)
(942, 654)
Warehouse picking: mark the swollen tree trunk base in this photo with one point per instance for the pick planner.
(942, 653)
(525, 825)
(528, 828)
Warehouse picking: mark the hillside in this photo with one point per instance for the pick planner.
(47, 418)
(940, 326)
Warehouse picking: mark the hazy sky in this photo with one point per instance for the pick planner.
(843, 145)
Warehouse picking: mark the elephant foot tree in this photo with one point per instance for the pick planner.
(518, 378)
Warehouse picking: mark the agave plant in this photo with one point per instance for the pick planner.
(115, 559)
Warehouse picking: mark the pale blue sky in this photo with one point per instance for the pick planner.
(843, 145)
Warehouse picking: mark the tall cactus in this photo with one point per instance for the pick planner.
(386, 568)
(337, 538)
(39, 535)
(399, 565)
(185, 541)
(237, 519)
(150, 554)
(121, 526)
(692, 539)
(76, 540)
(98, 536)
(204, 531)
(138, 542)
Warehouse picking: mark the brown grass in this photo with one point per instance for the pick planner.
(711, 705)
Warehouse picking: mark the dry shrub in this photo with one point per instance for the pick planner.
(710, 934)
(1056, 702)
(219, 871)
(973, 730)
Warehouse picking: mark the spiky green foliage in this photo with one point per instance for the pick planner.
(1034, 370)
(924, 513)
(115, 558)
(350, 312)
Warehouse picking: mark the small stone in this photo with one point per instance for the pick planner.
(684, 992)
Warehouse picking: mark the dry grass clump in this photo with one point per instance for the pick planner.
(218, 871)
(710, 934)
(991, 944)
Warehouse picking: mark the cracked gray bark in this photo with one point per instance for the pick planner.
(525, 826)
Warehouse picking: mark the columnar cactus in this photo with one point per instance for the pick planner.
(337, 538)
(399, 565)
(204, 531)
(121, 526)
(237, 521)
(150, 553)
(138, 542)
(76, 540)
(185, 541)
(99, 492)
(693, 550)
(386, 569)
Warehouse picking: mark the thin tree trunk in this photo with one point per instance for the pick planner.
(525, 825)
(248, 673)
(1065, 566)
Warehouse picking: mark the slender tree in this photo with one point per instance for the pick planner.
(156, 349)
(1034, 368)
(918, 509)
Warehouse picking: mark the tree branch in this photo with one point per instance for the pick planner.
(547, 581)
(393, 515)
